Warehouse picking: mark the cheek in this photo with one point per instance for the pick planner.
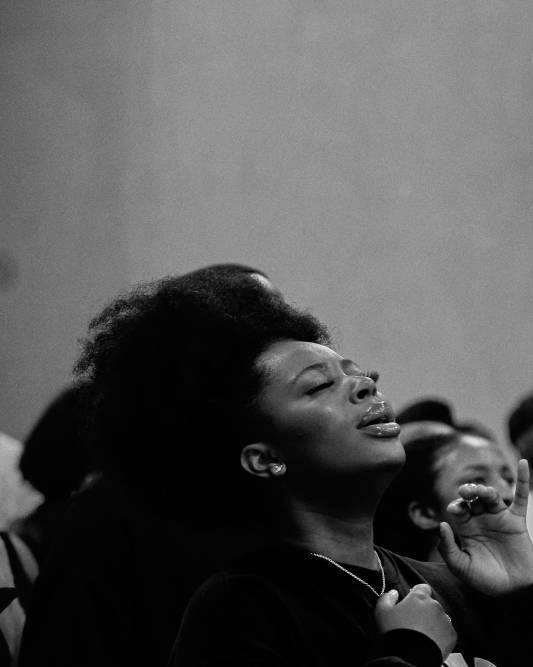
(310, 426)
(314, 440)
(444, 491)
(294, 437)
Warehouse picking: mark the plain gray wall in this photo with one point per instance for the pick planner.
(375, 158)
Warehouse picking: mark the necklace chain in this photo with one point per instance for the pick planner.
(354, 576)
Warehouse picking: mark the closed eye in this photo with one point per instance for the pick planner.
(319, 387)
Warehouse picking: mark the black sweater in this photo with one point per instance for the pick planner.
(283, 607)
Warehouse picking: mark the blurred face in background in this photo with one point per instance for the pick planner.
(474, 460)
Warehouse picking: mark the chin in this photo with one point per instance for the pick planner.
(395, 458)
(386, 465)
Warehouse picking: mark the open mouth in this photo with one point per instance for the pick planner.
(379, 421)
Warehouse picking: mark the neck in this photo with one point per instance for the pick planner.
(346, 539)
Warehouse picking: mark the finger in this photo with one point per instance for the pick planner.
(459, 507)
(480, 498)
(388, 600)
(421, 591)
(472, 492)
(521, 493)
(455, 558)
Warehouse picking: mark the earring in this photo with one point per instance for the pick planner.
(278, 468)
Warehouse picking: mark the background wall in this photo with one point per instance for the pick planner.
(373, 157)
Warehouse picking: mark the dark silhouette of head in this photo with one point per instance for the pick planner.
(426, 409)
(55, 459)
(439, 411)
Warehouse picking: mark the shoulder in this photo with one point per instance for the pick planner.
(238, 615)
(446, 587)
(431, 572)
(258, 591)
(437, 575)
(236, 592)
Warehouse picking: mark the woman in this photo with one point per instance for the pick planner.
(437, 465)
(321, 445)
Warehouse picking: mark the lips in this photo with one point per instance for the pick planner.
(379, 421)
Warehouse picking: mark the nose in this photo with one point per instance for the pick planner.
(361, 388)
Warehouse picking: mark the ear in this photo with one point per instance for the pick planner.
(422, 516)
(261, 460)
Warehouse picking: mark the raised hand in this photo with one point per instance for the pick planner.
(495, 555)
(417, 611)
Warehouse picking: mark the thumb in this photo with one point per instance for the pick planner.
(388, 600)
(455, 558)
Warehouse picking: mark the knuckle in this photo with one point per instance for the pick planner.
(419, 595)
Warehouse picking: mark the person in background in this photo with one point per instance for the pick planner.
(17, 497)
(11, 616)
(425, 417)
(128, 557)
(52, 466)
(429, 414)
(55, 461)
(427, 409)
(520, 429)
(18, 568)
(437, 464)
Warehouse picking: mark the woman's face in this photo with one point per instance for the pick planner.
(327, 417)
(476, 460)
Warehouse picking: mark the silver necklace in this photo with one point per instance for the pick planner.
(354, 576)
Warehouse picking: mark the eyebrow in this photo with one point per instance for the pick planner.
(323, 366)
(477, 467)
(485, 467)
